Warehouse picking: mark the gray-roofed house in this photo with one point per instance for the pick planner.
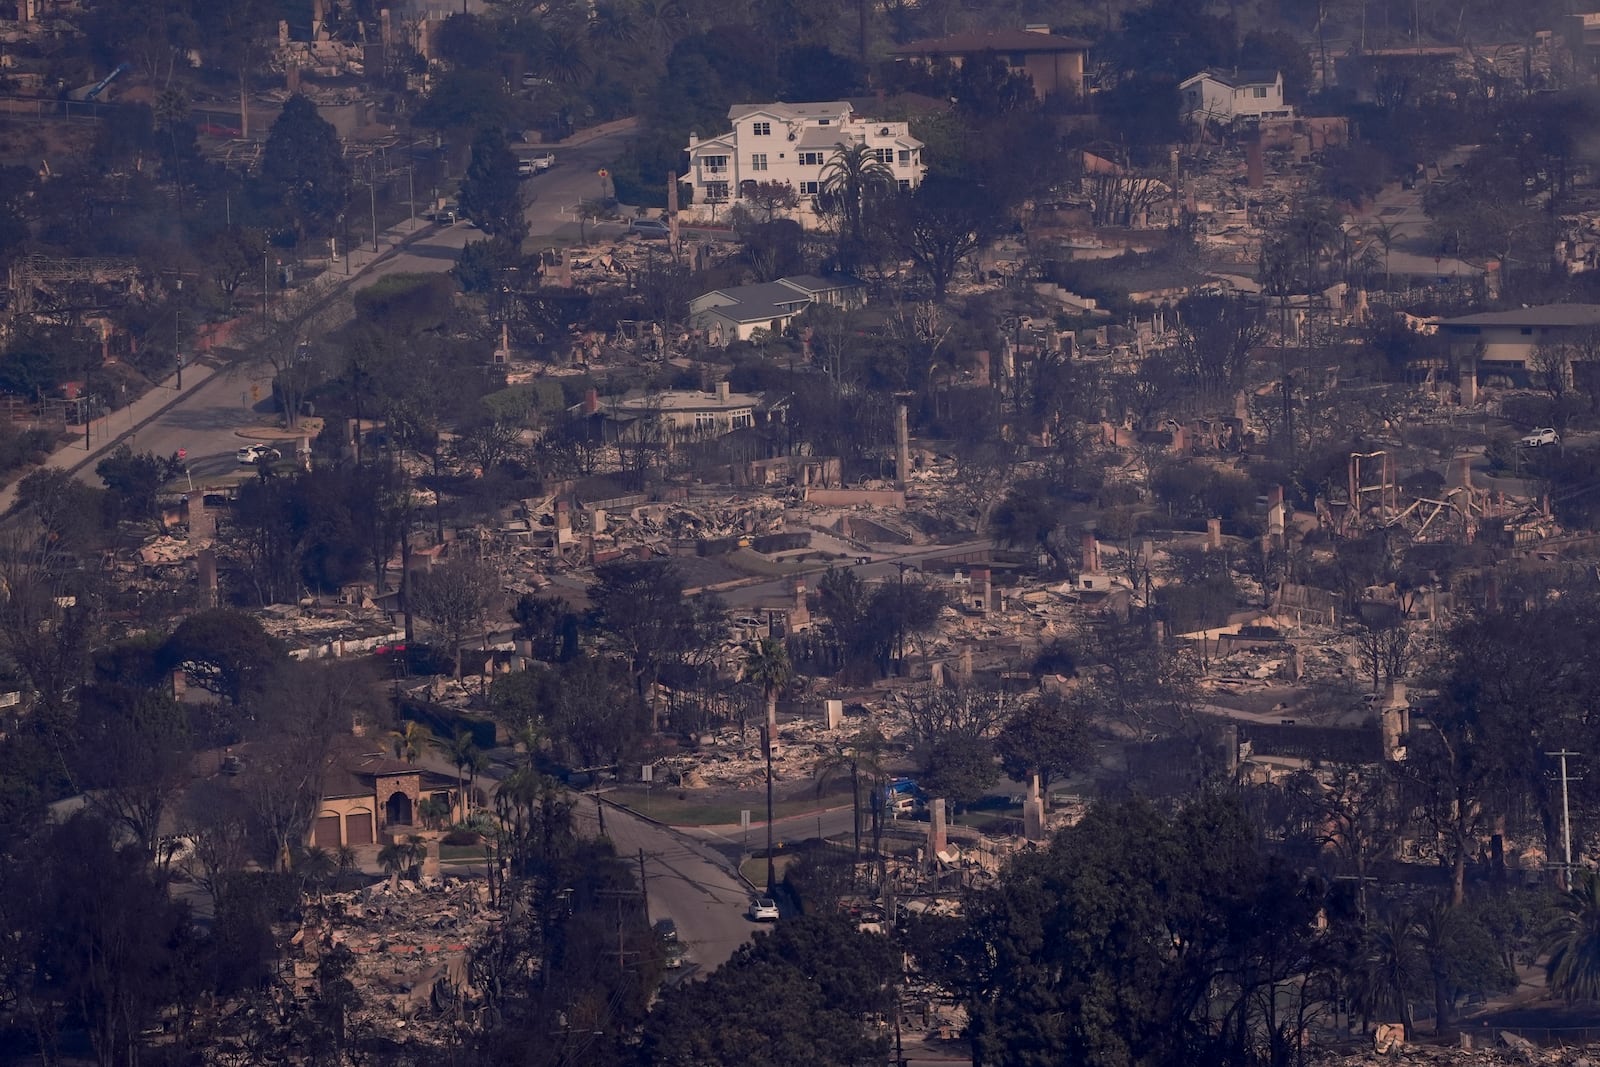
(735, 313)
(1234, 96)
(1503, 346)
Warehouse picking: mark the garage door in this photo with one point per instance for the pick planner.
(358, 828)
(326, 832)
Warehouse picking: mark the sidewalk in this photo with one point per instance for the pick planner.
(105, 433)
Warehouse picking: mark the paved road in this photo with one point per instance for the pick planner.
(207, 420)
(1412, 251)
(686, 881)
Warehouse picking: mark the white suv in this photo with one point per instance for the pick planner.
(1544, 435)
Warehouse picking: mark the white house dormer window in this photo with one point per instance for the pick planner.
(761, 129)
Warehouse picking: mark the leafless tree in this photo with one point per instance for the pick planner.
(1386, 652)
(455, 598)
(47, 616)
(1119, 199)
(285, 343)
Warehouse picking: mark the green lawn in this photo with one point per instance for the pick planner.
(460, 853)
(754, 869)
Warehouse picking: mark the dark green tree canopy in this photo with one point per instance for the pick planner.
(303, 171)
(491, 193)
(226, 652)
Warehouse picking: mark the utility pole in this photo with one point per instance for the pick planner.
(1566, 817)
(644, 890)
(372, 195)
(772, 869)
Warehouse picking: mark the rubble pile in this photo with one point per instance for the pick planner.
(411, 944)
(1509, 1050)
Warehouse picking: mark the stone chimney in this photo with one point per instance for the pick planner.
(902, 446)
(722, 391)
(1213, 534)
(1275, 514)
(982, 589)
(205, 563)
(180, 684)
(591, 402)
(1033, 813)
(937, 839)
(800, 614)
(1091, 552)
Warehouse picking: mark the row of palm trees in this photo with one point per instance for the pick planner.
(864, 757)
(1406, 953)
(470, 761)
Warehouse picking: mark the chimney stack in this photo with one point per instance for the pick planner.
(1091, 553)
(902, 445)
(722, 391)
(1254, 168)
(591, 402)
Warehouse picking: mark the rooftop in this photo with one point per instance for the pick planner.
(761, 302)
(688, 400)
(968, 42)
(1545, 315)
(825, 109)
(1236, 79)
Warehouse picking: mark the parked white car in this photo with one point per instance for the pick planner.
(257, 453)
(1544, 435)
(543, 161)
(764, 910)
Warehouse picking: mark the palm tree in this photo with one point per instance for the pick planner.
(662, 22)
(1314, 227)
(317, 869)
(860, 757)
(1386, 234)
(767, 665)
(394, 858)
(1573, 942)
(562, 58)
(417, 849)
(852, 176)
(1393, 965)
(345, 858)
(409, 743)
(463, 753)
